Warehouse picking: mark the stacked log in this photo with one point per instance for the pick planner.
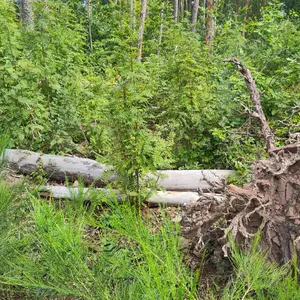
(181, 186)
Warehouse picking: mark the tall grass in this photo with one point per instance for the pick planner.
(256, 278)
(125, 260)
(56, 249)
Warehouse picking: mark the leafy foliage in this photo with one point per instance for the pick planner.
(181, 107)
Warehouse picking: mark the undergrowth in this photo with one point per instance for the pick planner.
(62, 249)
(107, 250)
(256, 278)
(57, 249)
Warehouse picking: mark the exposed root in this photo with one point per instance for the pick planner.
(270, 204)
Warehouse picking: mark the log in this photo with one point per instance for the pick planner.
(59, 167)
(63, 192)
(193, 180)
(169, 198)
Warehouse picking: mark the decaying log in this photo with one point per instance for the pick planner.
(60, 167)
(164, 198)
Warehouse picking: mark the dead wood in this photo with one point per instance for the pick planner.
(163, 198)
(270, 204)
(57, 168)
(257, 112)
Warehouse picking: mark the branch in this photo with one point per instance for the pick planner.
(258, 113)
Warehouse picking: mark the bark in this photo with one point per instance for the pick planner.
(189, 6)
(194, 15)
(258, 113)
(175, 12)
(246, 9)
(165, 198)
(59, 167)
(26, 14)
(88, 4)
(210, 23)
(204, 9)
(142, 28)
(238, 7)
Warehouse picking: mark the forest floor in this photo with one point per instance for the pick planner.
(268, 206)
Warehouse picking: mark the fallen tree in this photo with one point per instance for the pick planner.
(169, 198)
(58, 168)
(270, 205)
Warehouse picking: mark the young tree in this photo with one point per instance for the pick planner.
(26, 14)
(141, 29)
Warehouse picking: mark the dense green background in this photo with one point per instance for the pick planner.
(181, 107)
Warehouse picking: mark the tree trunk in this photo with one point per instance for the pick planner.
(246, 16)
(194, 15)
(210, 22)
(59, 168)
(189, 6)
(141, 29)
(246, 10)
(26, 14)
(89, 17)
(175, 13)
(165, 198)
(238, 7)
(132, 14)
(181, 9)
